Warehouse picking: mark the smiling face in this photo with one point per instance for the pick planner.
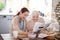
(35, 15)
(24, 15)
(35, 18)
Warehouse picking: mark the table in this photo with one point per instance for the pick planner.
(8, 37)
(1, 37)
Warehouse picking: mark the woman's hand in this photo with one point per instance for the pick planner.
(22, 33)
(26, 33)
(31, 32)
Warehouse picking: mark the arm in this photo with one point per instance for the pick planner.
(15, 23)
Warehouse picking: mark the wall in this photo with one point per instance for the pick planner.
(13, 6)
(5, 23)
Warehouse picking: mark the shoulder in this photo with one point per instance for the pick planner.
(30, 21)
(41, 19)
(16, 18)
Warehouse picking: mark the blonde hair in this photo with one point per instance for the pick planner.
(35, 13)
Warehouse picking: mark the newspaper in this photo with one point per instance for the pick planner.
(36, 28)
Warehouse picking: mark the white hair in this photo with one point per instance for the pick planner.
(35, 13)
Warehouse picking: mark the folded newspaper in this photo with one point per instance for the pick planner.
(41, 26)
(38, 26)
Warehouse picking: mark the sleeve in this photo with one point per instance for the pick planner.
(41, 20)
(26, 25)
(53, 27)
(50, 27)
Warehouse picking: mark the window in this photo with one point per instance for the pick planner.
(41, 5)
(2, 4)
(15, 5)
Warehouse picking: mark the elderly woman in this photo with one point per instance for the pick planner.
(35, 18)
(31, 23)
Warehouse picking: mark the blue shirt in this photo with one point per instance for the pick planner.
(22, 25)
